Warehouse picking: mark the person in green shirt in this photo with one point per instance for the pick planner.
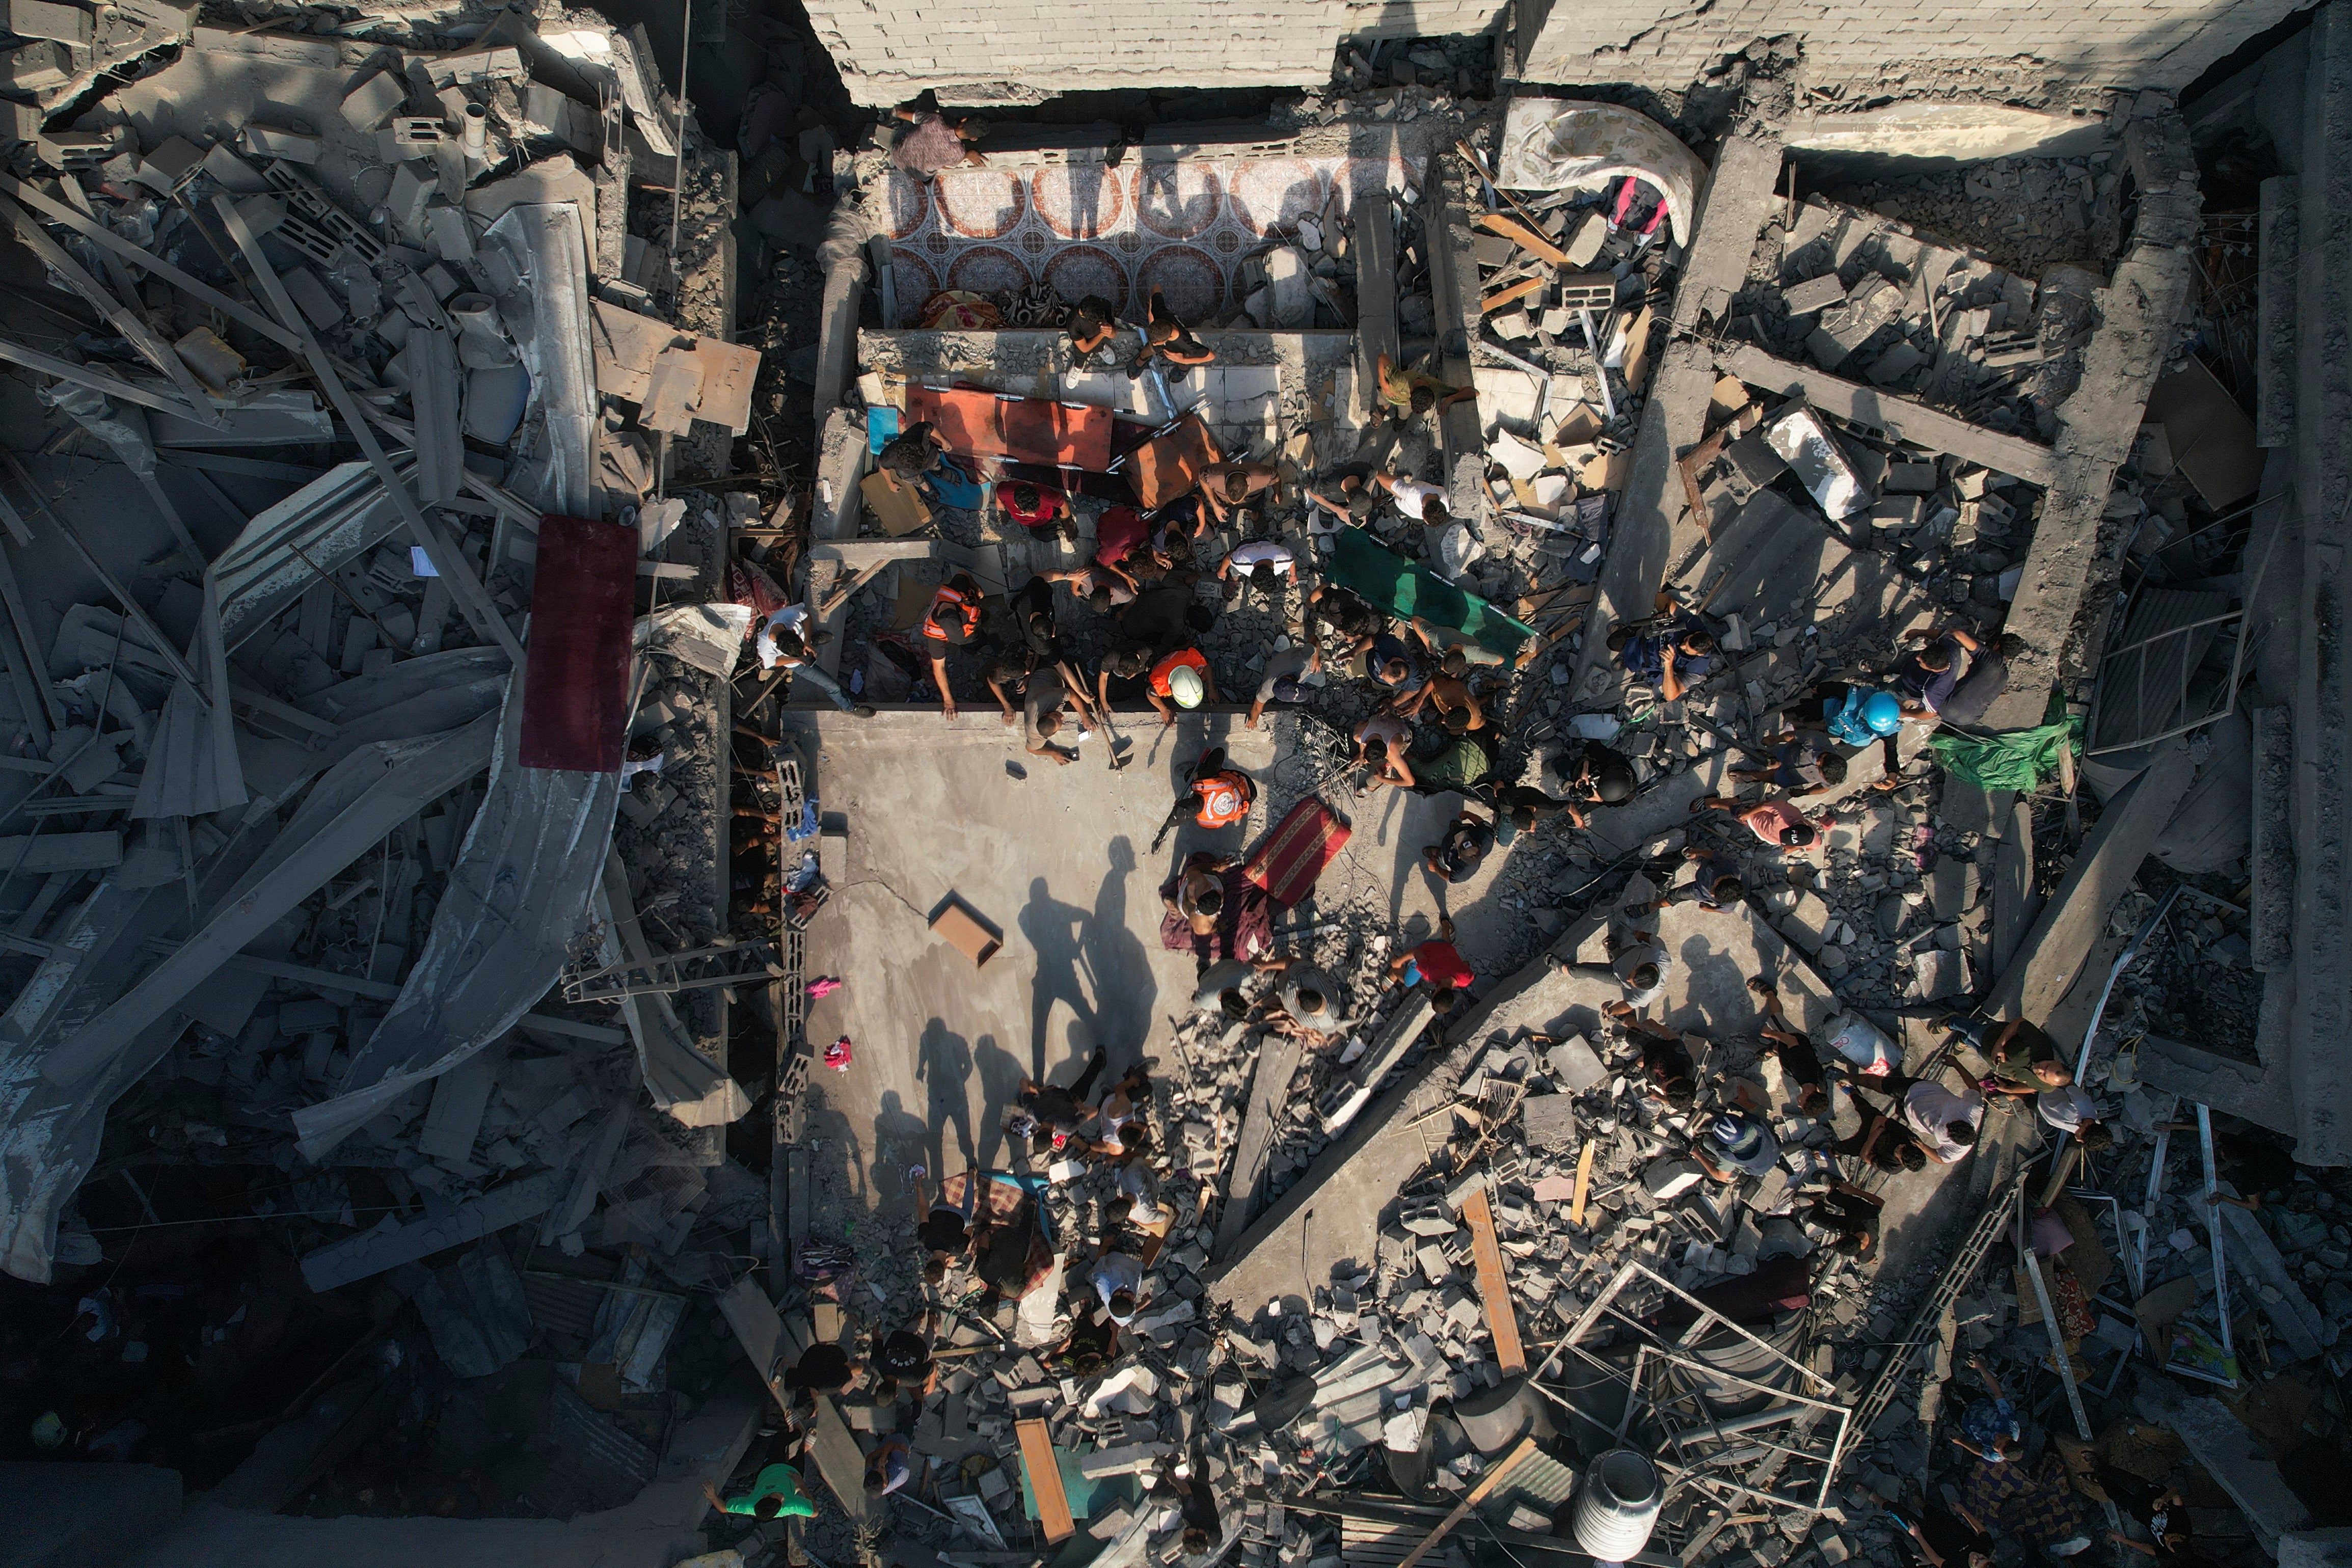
(775, 1494)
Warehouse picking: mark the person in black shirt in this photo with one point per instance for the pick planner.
(1092, 1345)
(1936, 1538)
(1883, 1143)
(1851, 1214)
(1526, 805)
(1093, 323)
(1052, 1112)
(822, 1369)
(914, 451)
(1457, 856)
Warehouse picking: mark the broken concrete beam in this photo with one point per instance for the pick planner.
(2051, 958)
(392, 1244)
(2232, 1456)
(2249, 1251)
(1269, 1101)
(39, 857)
(1898, 417)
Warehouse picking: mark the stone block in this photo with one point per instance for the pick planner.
(1813, 294)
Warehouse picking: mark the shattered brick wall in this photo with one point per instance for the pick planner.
(2017, 49)
(1014, 51)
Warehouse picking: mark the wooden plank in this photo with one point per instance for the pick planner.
(1470, 1499)
(1502, 296)
(1044, 1471)
(671, 392)
(1494, 1288)
(1900, 417)
(1583, 1185)
(1520, 235)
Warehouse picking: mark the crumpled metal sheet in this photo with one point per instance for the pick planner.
(707, 636)
(545, 309)
(518, 900)
(332, 520)
(1814, 455)
(696, 1090)
(1559, 143)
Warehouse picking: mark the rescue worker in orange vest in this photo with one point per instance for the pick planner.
(1218, 797)
(1183, 677)
(952, 621)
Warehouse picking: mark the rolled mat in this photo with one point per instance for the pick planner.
(1286, 863)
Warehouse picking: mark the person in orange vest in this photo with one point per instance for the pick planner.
(952, 621)
(1217, 795)
(1182, 677)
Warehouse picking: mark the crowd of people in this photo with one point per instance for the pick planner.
(1429, 713)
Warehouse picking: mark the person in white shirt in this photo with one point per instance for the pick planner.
(1416, 498)
(1117, 1282)
(1946, 1122)
(1266, 564)
(784, 644)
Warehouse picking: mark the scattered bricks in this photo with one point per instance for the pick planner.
(1813, 294)
(1434, 1265)
(1588, 291)
(1910, 478)
(367, 105)
(1586, 242)
(1833, 1549)
(1669, 1179)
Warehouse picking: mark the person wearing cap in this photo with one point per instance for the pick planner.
(1773, 821)
(1416, 499)
(1116, 1280)
(1227, 486)
(1284, 681)
(1735, 1144)
(1436, 963)
(1040, 508)
(1182, 677)
(902, 1360)
(1456, 857)
(1264, 564)
(952, 621)
(1217, 795)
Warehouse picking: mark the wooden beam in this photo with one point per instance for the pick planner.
(1044, 1471)
(1520, 235)
(1470, 1499)
(1583, 1185)
(1502, 296)
(1899, 417)
(1494, 1288)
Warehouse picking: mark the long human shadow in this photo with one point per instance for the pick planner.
(1000, 1080)
(1124, 987)
(944, 1062)
(1058, 935)
(900, 1139)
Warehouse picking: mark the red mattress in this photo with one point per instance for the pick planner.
(575, 684)
(1307, 839)
(1025, 429)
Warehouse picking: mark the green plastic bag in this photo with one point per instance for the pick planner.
(2012, 758)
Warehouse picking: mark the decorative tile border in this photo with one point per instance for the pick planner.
(1181, 226)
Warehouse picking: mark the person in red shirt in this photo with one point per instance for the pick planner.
(1182, 676)
(952, 621)
(1439, 963)
(1042, 510)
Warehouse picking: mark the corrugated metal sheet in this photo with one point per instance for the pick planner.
(2150, 665)
(331, 519)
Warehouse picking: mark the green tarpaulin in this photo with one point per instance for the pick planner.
(1389, 582)
(2014, 759)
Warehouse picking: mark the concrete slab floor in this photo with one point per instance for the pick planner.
(1059, 861)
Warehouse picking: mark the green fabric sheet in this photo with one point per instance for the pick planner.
(1389, 582)
(2012, 758)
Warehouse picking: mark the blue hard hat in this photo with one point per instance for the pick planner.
(1883, 713)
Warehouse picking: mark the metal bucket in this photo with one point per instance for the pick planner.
(1617, 1505)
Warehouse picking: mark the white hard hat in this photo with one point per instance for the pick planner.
(1184, 685)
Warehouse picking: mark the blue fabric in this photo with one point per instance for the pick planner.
(881, 423)
(950, 486)
(1645, 657)
(1987, 1421)
(1845, 721)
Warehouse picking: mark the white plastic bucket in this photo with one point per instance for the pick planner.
(1617, 1505)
